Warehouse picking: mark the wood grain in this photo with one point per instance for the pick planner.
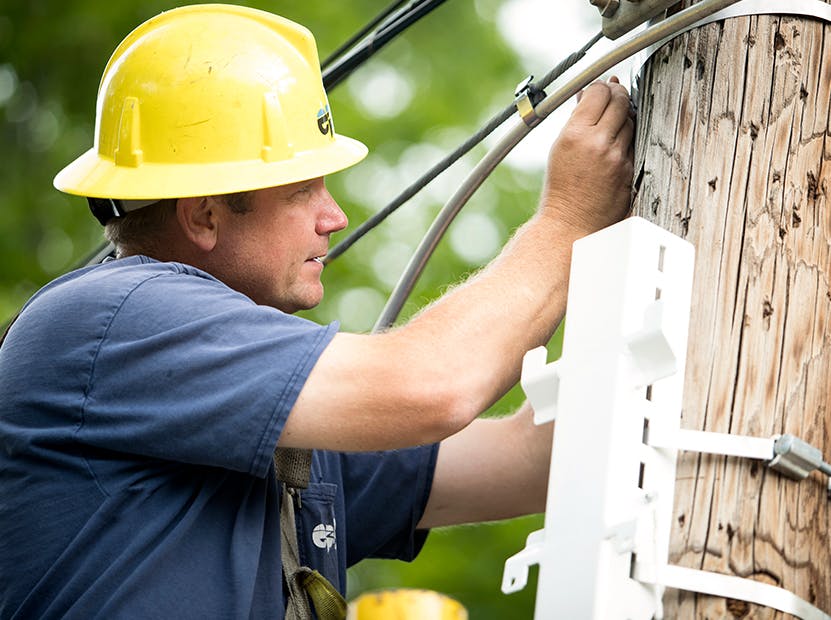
(734, 154)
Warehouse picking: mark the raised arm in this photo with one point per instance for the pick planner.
(432, 377)
(491, 469)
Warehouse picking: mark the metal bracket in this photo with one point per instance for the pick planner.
(607, 8)
(786, 454)
(621, 16)
(795, 458)
(527, 97)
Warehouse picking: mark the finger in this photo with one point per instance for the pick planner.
(617, 112)
(631, 117)
(626, 135)
(592, 104)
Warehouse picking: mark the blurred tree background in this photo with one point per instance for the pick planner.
(414, 102)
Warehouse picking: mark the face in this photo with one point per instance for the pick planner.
(274, 252)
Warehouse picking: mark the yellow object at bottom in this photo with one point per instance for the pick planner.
(405, 604)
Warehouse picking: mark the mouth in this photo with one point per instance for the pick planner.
(318, 259)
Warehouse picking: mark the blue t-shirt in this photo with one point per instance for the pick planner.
(140, 405)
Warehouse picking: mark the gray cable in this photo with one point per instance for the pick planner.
(515, 134)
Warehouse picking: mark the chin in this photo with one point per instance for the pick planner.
(299, 302)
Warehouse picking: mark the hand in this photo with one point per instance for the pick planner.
(590, 166)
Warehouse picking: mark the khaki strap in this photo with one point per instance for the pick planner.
(327, 601)
(297, 605)
(293, 466)
(303, 582)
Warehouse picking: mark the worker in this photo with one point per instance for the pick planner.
(143, 400)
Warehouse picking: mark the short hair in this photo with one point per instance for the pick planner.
(239, 202)
(138, 231)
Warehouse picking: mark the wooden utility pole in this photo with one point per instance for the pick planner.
(734, 154)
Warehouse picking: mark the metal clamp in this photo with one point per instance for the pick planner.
(794, 457)
(607, 8)
(622, 16)
(786, 454)
(528, 96)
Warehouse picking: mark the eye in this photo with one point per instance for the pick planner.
(306, 189)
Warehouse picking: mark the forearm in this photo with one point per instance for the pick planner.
(494, 469)
(480, 330)
(484, 327)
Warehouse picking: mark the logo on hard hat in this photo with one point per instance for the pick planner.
(324, 120)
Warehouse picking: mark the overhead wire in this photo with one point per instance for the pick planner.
(460, 151)
(340, 68)
(364, 31)
(628, 47)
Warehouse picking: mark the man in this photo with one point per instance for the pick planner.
(143, 399)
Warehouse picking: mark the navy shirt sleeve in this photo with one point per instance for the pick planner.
(188, 370)
(386, 494)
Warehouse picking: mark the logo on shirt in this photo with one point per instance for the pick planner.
(323, 536)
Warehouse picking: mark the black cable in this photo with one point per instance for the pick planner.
(568, 62)
(460, 151)
(361, 33)
(408, 16)
(344, 66)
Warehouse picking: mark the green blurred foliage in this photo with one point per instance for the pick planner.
(414, 102)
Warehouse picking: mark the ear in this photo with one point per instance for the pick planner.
(198, 218)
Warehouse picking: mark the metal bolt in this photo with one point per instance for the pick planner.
(607, 8)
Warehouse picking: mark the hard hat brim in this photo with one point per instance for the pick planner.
(99, 177)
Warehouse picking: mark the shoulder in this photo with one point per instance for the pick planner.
(95, 294)
(114, 280)
(137, 297)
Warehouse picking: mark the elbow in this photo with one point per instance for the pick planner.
(435, 393)
(448, 410)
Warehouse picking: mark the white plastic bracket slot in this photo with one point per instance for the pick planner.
(541, 383)
(515, 575)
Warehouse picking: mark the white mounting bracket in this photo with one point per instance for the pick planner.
(625, 338)
(616, 394)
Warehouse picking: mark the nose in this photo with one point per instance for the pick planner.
(331, 218)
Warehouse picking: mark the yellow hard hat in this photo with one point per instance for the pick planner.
(209, 99)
